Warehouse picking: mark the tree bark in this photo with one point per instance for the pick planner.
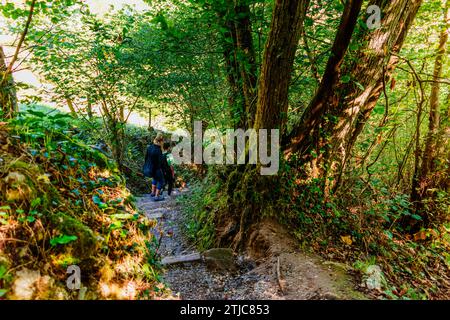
(246, 57)
(339, 111)
(279, 53)
(235, 99)
(89, 109)
(73, 112)
(430, 151)
(8, 97)
(326, 96)
(428, 168)
(240, 60)
(246, 188)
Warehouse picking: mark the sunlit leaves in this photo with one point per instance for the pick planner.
(55, 9)
(63, 239)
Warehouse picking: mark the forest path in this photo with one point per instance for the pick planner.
(303, 277)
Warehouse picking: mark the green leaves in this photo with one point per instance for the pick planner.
(123, 216)
(3, 270)
(379, 109)
(62, 239)
(98, 201)
(4, 214)
(115, 225)
(3, 275)
(346, 78)
(55, 9)
(10, 11)
(38, 114)
(161, 20)
(359, 85)
(3, 292)
(35, 202)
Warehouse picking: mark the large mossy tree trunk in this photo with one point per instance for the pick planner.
(339, 111)
(249, 194)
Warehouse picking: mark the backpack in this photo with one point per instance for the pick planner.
(152, 161)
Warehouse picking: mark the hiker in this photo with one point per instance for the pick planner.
(167, 168)
(153, 167)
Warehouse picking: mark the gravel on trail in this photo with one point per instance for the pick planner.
(303, 276)
(194, 280)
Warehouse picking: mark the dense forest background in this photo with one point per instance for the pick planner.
(363, 112)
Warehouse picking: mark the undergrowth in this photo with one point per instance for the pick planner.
(64, 203)
(364, 227)
(361, 228)
(200, 207)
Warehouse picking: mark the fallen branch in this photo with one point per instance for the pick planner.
(180, 259)
(281, 282)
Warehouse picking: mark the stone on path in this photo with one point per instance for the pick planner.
(374, 278)
(220, 259)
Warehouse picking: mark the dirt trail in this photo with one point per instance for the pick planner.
(288, 275)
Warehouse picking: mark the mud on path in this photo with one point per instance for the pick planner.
(282, 275)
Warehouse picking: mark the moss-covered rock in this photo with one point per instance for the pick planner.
(86, 244)
(220, 259)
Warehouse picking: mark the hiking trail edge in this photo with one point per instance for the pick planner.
(276, 276)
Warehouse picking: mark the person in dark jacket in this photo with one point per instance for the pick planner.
(153, 167)
(167, 168)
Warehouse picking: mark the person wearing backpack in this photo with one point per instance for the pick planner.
(153, 167)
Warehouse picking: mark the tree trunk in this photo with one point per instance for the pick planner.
(89, 109)
(8, 97)
(445, 132)
(117, 140)
(428, 168)
(235, 99)
(339, 111)
(279, 54)
(247, 59)
(73, 112)
(250, 193)
(326, 96)
(240, 61)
